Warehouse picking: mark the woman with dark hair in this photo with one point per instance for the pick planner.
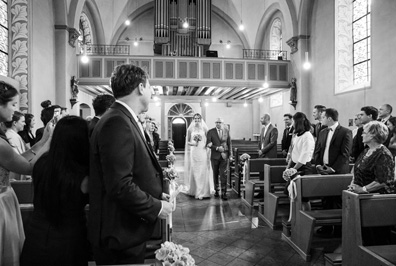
(13, 127)
(12, 234)
(56, 234)
(303, 145)
(27, 134)
(392, 131)
(49, 111)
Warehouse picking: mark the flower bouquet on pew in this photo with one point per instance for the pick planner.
(170, 175)
(171, 148)
(171, 158)
(171, 254)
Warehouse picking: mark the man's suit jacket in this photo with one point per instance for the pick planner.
(225, 140)
(287, 137)
(358, 145)
(125, 184)
(268, 142)
(339, 149)
(92, 124)
(317, 128)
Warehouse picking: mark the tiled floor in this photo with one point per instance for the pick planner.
(228, 233)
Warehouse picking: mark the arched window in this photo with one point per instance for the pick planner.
(3, 38)
(180, 109)
(276, 35)
(85, 31)
(361, 41)
(352, 44)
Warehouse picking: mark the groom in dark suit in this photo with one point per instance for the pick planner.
(126, 182)
(219, 141)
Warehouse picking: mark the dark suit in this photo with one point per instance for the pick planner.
(317, 128)
(286, 138)
(92, 124)
(125, 189)
(339, 149)
(268, 142)
(387, 141)
(358, 145)
(219, 164)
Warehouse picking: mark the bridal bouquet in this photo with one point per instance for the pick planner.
(289, 174)
(172, 254)
(197, 138)
(171, 158)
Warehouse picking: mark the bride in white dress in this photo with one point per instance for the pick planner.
(197, 169)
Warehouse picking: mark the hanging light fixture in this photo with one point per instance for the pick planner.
(260, 99)
(241, 27)
(214, 99)
(84, 57)
(228, 45)
(307, 64)
(265, 85)
(245, 104)
(127, 22)
(185, 23)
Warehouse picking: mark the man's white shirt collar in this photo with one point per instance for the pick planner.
(133, 115)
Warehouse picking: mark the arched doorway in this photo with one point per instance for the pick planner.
(179, 130)
(85, 110)
(179, 117)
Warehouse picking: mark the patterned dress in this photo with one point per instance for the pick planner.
(12, 235)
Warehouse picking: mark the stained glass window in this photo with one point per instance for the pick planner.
(3, 38)
(361, 41)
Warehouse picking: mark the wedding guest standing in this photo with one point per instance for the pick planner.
(12, 234)
(268, 138)
(13, 127)
(101, 104)
(27, 134)
(219, 141)
(125, 187)
(374, 169)
(56, 233)
(287, 133)
(366, 115)
(392, 131)
(317, 115)
(48, 112)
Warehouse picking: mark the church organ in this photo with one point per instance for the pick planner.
(171, 38)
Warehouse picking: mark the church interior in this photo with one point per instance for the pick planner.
(233, 59)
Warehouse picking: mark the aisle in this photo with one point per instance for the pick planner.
(227, 233)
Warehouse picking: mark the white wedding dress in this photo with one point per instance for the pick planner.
(198, 175)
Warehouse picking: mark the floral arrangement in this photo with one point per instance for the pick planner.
(171, 147)
(244, 157)
(289, 174)
(197, 138)
(170, 173)
(172, 254)
(171, 158)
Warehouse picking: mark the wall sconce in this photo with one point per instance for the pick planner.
(228, 44)
(74, 91)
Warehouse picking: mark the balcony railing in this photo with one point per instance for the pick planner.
(264, 54)
(101, 49)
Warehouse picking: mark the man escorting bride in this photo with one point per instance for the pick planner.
(197, 169)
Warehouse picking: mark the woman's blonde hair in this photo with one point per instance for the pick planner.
(378, 130)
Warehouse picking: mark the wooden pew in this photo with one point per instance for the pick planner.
(240, 144)
(303, 222)
(237, 177)
(254, 177)
(163, 149)
(366, 210)
(163, 163)
(273, 194)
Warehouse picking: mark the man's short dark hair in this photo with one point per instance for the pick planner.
(370, 110)
(320, 108)
(126, 78)
(331, 112)
(288, 115)
(102, 102)
(389, 108)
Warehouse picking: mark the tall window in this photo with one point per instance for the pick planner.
(361, 41)
(3, 38)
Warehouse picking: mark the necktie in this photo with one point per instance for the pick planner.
(219, 132)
